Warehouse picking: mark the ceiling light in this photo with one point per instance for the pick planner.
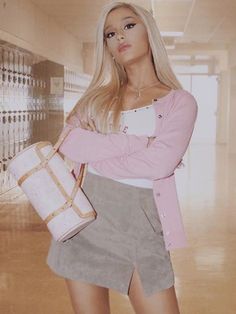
(170, 46)
(172, 34)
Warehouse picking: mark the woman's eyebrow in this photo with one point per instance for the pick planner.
(124, 18)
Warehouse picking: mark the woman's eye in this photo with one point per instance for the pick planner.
(107, 35)
(130, 24)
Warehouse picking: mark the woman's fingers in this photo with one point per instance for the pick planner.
(90, 125)
(83, 124)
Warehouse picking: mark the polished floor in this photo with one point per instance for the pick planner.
(205, 271)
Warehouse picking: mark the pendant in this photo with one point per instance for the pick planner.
(138, 95)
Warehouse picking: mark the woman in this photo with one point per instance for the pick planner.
(132, 127)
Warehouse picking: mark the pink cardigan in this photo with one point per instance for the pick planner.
(119, 155)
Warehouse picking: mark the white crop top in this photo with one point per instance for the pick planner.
(140, 121)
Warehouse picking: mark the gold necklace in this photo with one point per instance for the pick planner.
(143, 88)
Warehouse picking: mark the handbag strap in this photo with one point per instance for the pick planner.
(59, 142)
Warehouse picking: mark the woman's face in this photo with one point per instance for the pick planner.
(119, 29)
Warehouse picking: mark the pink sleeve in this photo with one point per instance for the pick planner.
(84, 146)
(165, 153)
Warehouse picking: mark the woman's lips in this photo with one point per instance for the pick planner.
(124, 48)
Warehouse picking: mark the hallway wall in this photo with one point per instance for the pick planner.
(24, 24)
(232, 103)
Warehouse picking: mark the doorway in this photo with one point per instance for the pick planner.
(205, 90)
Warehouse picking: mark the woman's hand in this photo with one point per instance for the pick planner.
(90, 125)
(150, 139)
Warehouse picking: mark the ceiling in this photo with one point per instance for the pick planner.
(202, 21)
(208, 26)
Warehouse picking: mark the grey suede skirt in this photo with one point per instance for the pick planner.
(126, 233)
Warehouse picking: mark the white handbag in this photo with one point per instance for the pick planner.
(52, 189)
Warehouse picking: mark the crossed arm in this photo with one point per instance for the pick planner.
(86, 146)
(127, 156)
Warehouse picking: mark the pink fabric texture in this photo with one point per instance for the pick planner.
(119, 155)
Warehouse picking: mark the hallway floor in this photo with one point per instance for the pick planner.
(205, 271)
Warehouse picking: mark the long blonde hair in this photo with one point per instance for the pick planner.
(106, 87)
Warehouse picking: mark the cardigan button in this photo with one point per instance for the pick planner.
(158, 194)
(159, 116)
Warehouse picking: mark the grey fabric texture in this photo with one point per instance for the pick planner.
(126, 233)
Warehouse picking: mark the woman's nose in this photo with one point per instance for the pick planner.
(119, 36)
